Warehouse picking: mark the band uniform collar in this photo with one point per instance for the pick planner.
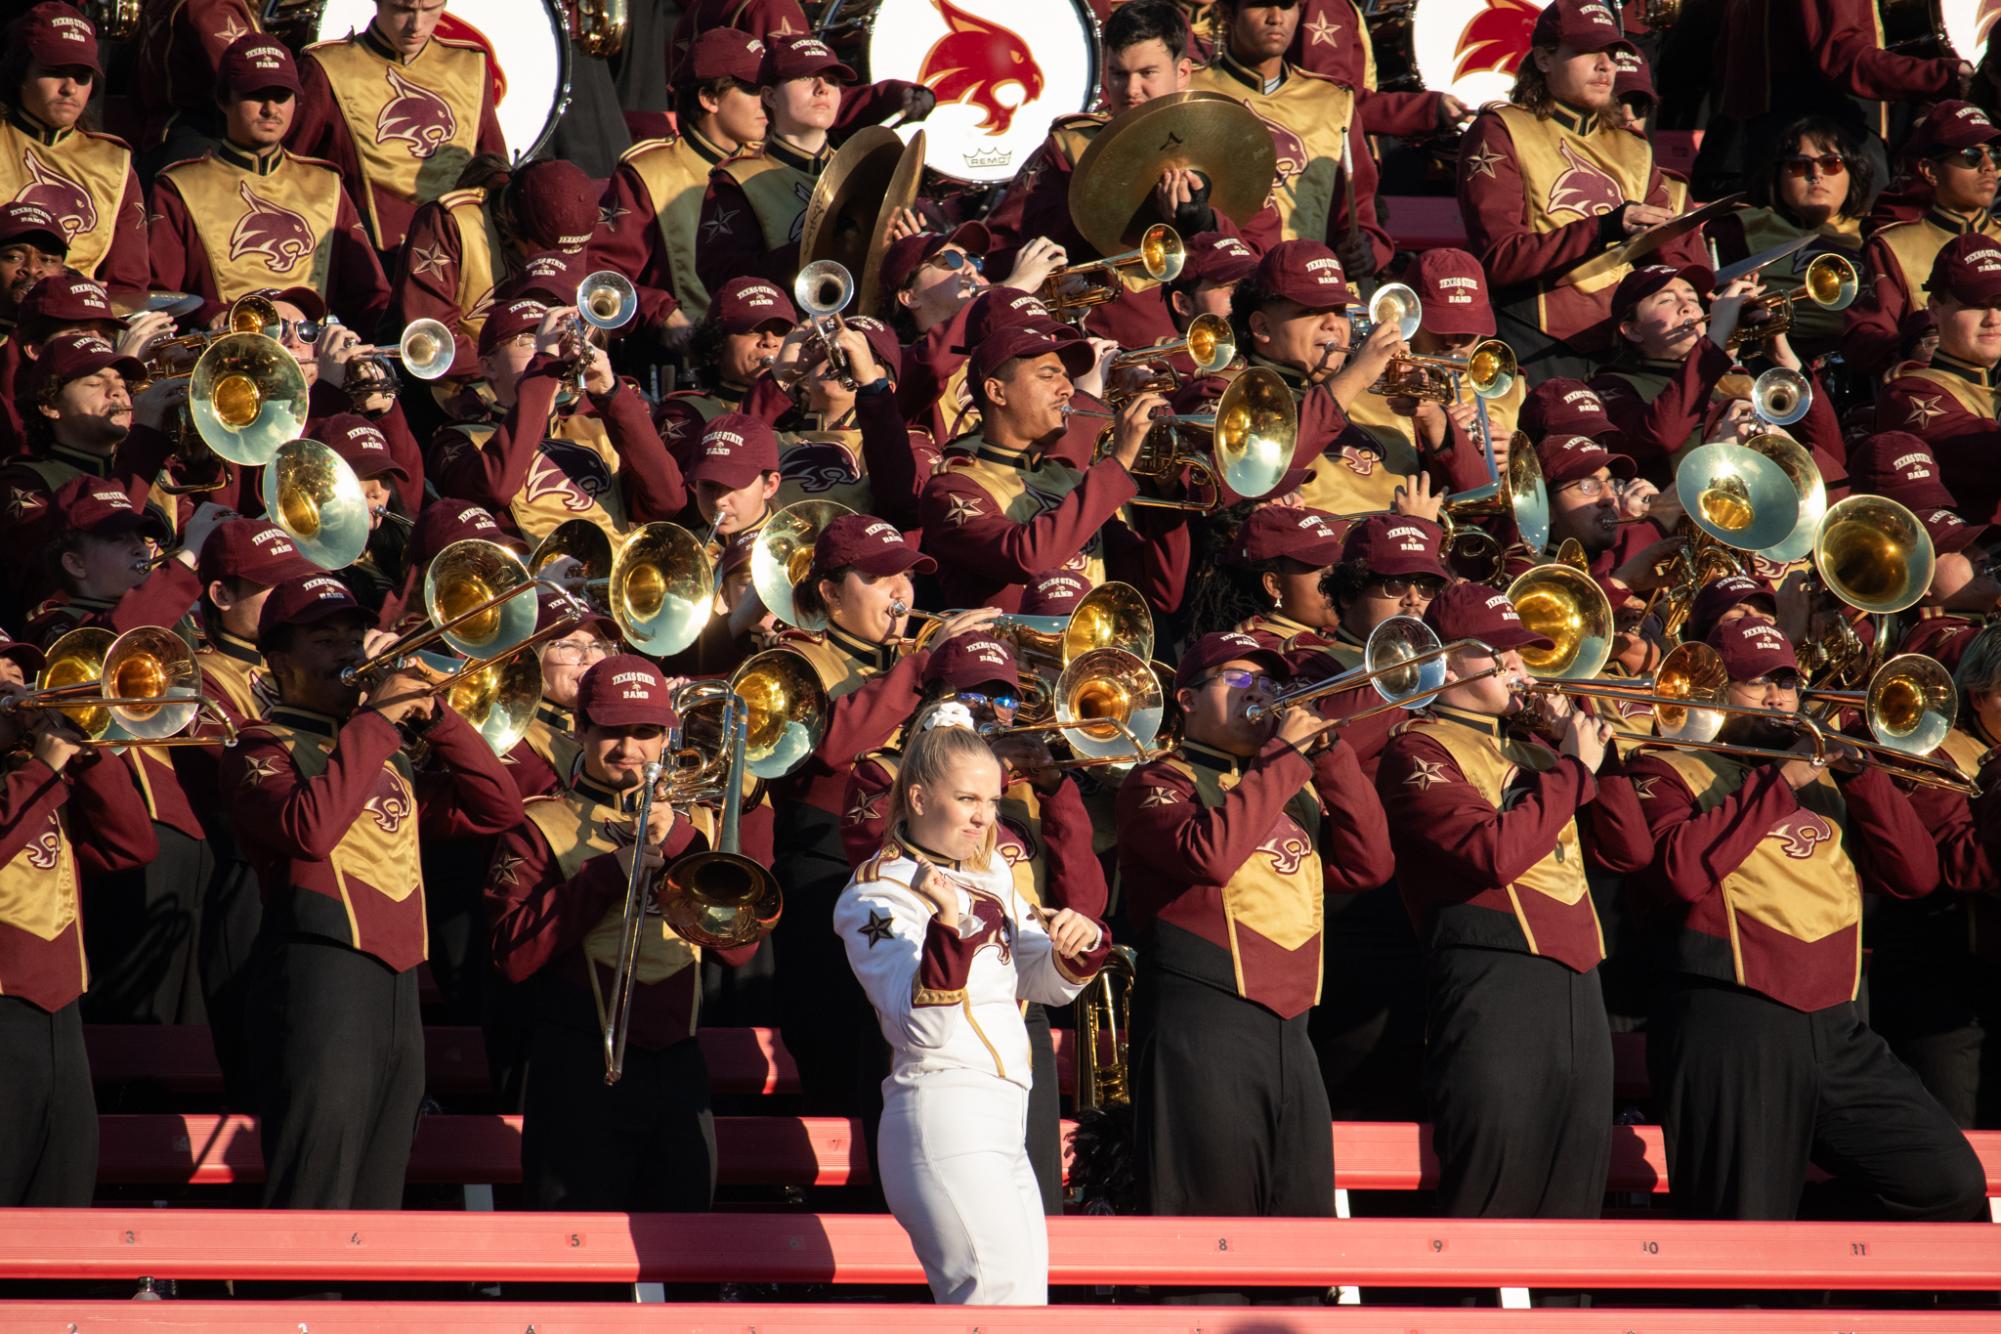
(231, 647)
(705, 148)
(305, 720)
(1208, 757)
(1024, 460)
(866, 652)
(1244, 74)
(1484, 723)
(602, 794)
(1965, 370)
(1577, 122)
(250, 160)
(374, 42)
(917, 852)
(1295, 378)
(97, 465)
(39, 131)
(558, 718)
(797, 158)
(1958, 223)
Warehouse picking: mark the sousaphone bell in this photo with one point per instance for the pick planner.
(782, 557)
(313, 495)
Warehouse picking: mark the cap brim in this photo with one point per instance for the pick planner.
(27, 655)
(55, 243)
(1077, 355)
(623, 713)
(1622, 466)
(896, 560)
(1409, 563)
(1459, 321)
(1949, 536)
(1515, 636)
(735, 474)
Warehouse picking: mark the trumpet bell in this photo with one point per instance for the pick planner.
(150, 662)
(1212, 344)
(1114, 684)
(1737, 496)
(661, 589)
(1491, 368)
(823, 288)
(1391, 648)
(720, 900)
(1781, 396)
(311, 493)
(77, 659)
(1394, 304)
(1256, 426)
(607, 300)
(1803, 474)
(1567, 607)
(426, 349)
(1161, 253)
(1832, 282)
(247, 397)
(464, 575)
(783, 556)
(785, 711)
(1874, 554)
(1911, 704)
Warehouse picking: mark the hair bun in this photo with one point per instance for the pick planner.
(950, 714)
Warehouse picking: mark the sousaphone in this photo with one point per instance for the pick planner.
(874, 175)
(1111, 199)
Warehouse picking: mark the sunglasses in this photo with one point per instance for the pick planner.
(998, 703)
(1971, 158)
(1396, 585)
(305, 331)
(1242, 678)
(1801, 164)
(953, 260)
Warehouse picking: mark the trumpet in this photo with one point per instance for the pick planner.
(823, 290)
(1830, 282)
(1393, 304)
(1781, 397)
(1105, 1005)
(607, 300)
(141, 688)
(1252, 429)
(1109, 706)
(1489, 368)
(1209, 342)
(426, 350)
(1159, 256)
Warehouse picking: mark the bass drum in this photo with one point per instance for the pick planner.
(1001, 70)
(527, 44)
(1469, 48)
(1967, 24)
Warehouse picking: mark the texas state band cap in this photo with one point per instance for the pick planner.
(360, 443)
(254, 63)
(1306, 272)
(724, 53)
(1477, 611)
(871, 545)
(1642, 283)
(1968, 269)
(1563, 406)
(1396, 544)
(966, 662)
(101, 508)
(22, 221)
(554, 203)
(745, 303)
(58, 36)
(735, 450)
(1581, 25)
(1217, 258)
(1572, 458)
(1901, 467)
(1753, 648)
(71, 356)
(904, 257)
(1310, 536)
(796, 56)
(626, 691)
(1213, 650)
(1453, 289)
(306, 600)
(256, 551)
(1948, 127)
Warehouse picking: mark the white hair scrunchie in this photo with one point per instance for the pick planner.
(950, 714)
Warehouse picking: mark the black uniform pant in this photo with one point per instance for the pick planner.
(646, 1143)
(339, 1051)
(826, 1019)
(1752, 1091)
(1369, 1025)
(231, 914)
(140, 930)
(48, 1113)
(1045, 1110)
(1518, 1085)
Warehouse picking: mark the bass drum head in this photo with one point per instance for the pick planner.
(526, 43)
(1002, 70)
(1969, 23)
(1471, 48)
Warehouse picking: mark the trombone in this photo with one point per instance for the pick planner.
(1830, 282)
(1252, 430)
(823, 290)
(1910, 705)
(1159, 256)
(141, 688)
(1109, 707)
(1403, 659)
(472, 594)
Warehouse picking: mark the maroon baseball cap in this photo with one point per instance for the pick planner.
(547, 275)
(1949, 532)
(1720, 595)
(1305, 272)
(1453, 288)
(554, 203)
(1968, 268)
(1393, 544)
(1476, 611)
(626, 690)
(881, 341)
(1753, 648)
(1309, 536)
(997, 308)
(446, 521)
(1216, 258)
(1055, 593)
(1642, 283)
(966, 662)
(1949, 126)
(27, 655)
(1901, 466)
(1633, 77)
(255, 550)
(552, 606)
(735, 450)
(21, 221)
(795, 56)
(306, 600)
(58, 36)
(1571, 458)
(1564, 406)
(101, 508)
(1024, 340)
(65, 298)
(724, 53)
(1581, 25)
(311, 304)
(510, 319)
(871, 545)
(70, 356)
(1213, 650)
(745, 303)
(904, 257)
(254, 63)
(360, 442)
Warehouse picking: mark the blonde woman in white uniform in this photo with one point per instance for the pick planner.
(947, 951)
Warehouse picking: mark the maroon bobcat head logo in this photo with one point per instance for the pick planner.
(1290, 151)
(1287, 849)
(45, 852)
(1582, 188)
(819, 465)
(1800, 833)
(569, 472)
(68, 202)
(281, 236)
(974, 61)
(415, 116)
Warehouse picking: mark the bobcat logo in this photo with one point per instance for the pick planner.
(1361, 462)
(568, 472)
(1800, 833)
(1014, 843)
(281, 236)
(974, 61)
(389, 812)
(991, 926)
(1287, 851)
(1495, 39)
(1288, 149)
(415, 116)
(45, 851)
(1582, 188)
(66, 201)
(819, 465)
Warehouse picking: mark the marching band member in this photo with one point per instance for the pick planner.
(545, 461)
(928, 277)
(1325, 189)
(756, 202)
(1950, 402)
(1267, 580)
(399, 110)
(1758, 1055)
(1390, 565)
(1485, 819)
(327, 810)
(1548, 182)
(555, 901)
(1594, 499)
(935, 392)
(736, 342)
(64, 811)
(948, 948)
(654, 206)
(248, 215)
(32, 247)
(179, 63)
(1216, 262)
(1321, 46)
(1900, 467)
(82, 177)
(1951, 156)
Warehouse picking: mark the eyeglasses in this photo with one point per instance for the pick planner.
(1592, 487)
(998, 703)
(1783, 680)
(1396, 585)
(305, 331)
(1800, 164)
(1241, 678)
(571, 651)
(1971, 158)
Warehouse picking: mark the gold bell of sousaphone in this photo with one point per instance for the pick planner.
(246, 397)
(1566, 605)
(1874, 554)
(722, 899)
(311, 493)
(660, 590)
(1252, 429)
(785, 711)
(782, 556)
(1737, 496)
(1158, 257)
(1804, 476)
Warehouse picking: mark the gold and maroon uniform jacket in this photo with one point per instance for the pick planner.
(1761, 884)
(1333, 41)
(872, 690)
(753, 213)
(54, 827)
(1950, 405)
(328, 814)
(180, 49)
(1224, 864)
(85, 180)
(653, 219)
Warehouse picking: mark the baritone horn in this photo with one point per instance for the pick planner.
(1158, 256)
(312, 494)
(1874, 554)
(782, 558)
(785, 707)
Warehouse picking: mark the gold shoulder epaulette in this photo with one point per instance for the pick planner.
(647, 146)
(451, 199)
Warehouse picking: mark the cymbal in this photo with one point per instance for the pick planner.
(1111, 188)
(842, 215)
(902, 194)
(176, 304)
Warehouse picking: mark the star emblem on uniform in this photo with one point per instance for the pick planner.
(963, 508)
(877, 928)
(1428, 772)
(612, 212)
(1924, 407)
(724, 220)
(674, 428)
(505, 869)
(1643, 786)
(255, 771)
(230, 30)
(1323, 30)
(428, 259)
(1482, 162)
(784, 28)
(864, 809)
(22, 502)
(1158, 796)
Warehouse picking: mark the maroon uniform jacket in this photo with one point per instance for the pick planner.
(180, 50)
(1887, 318)
(1802, 56)
(732, 242)
(1956, 420)
(1333, 41)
